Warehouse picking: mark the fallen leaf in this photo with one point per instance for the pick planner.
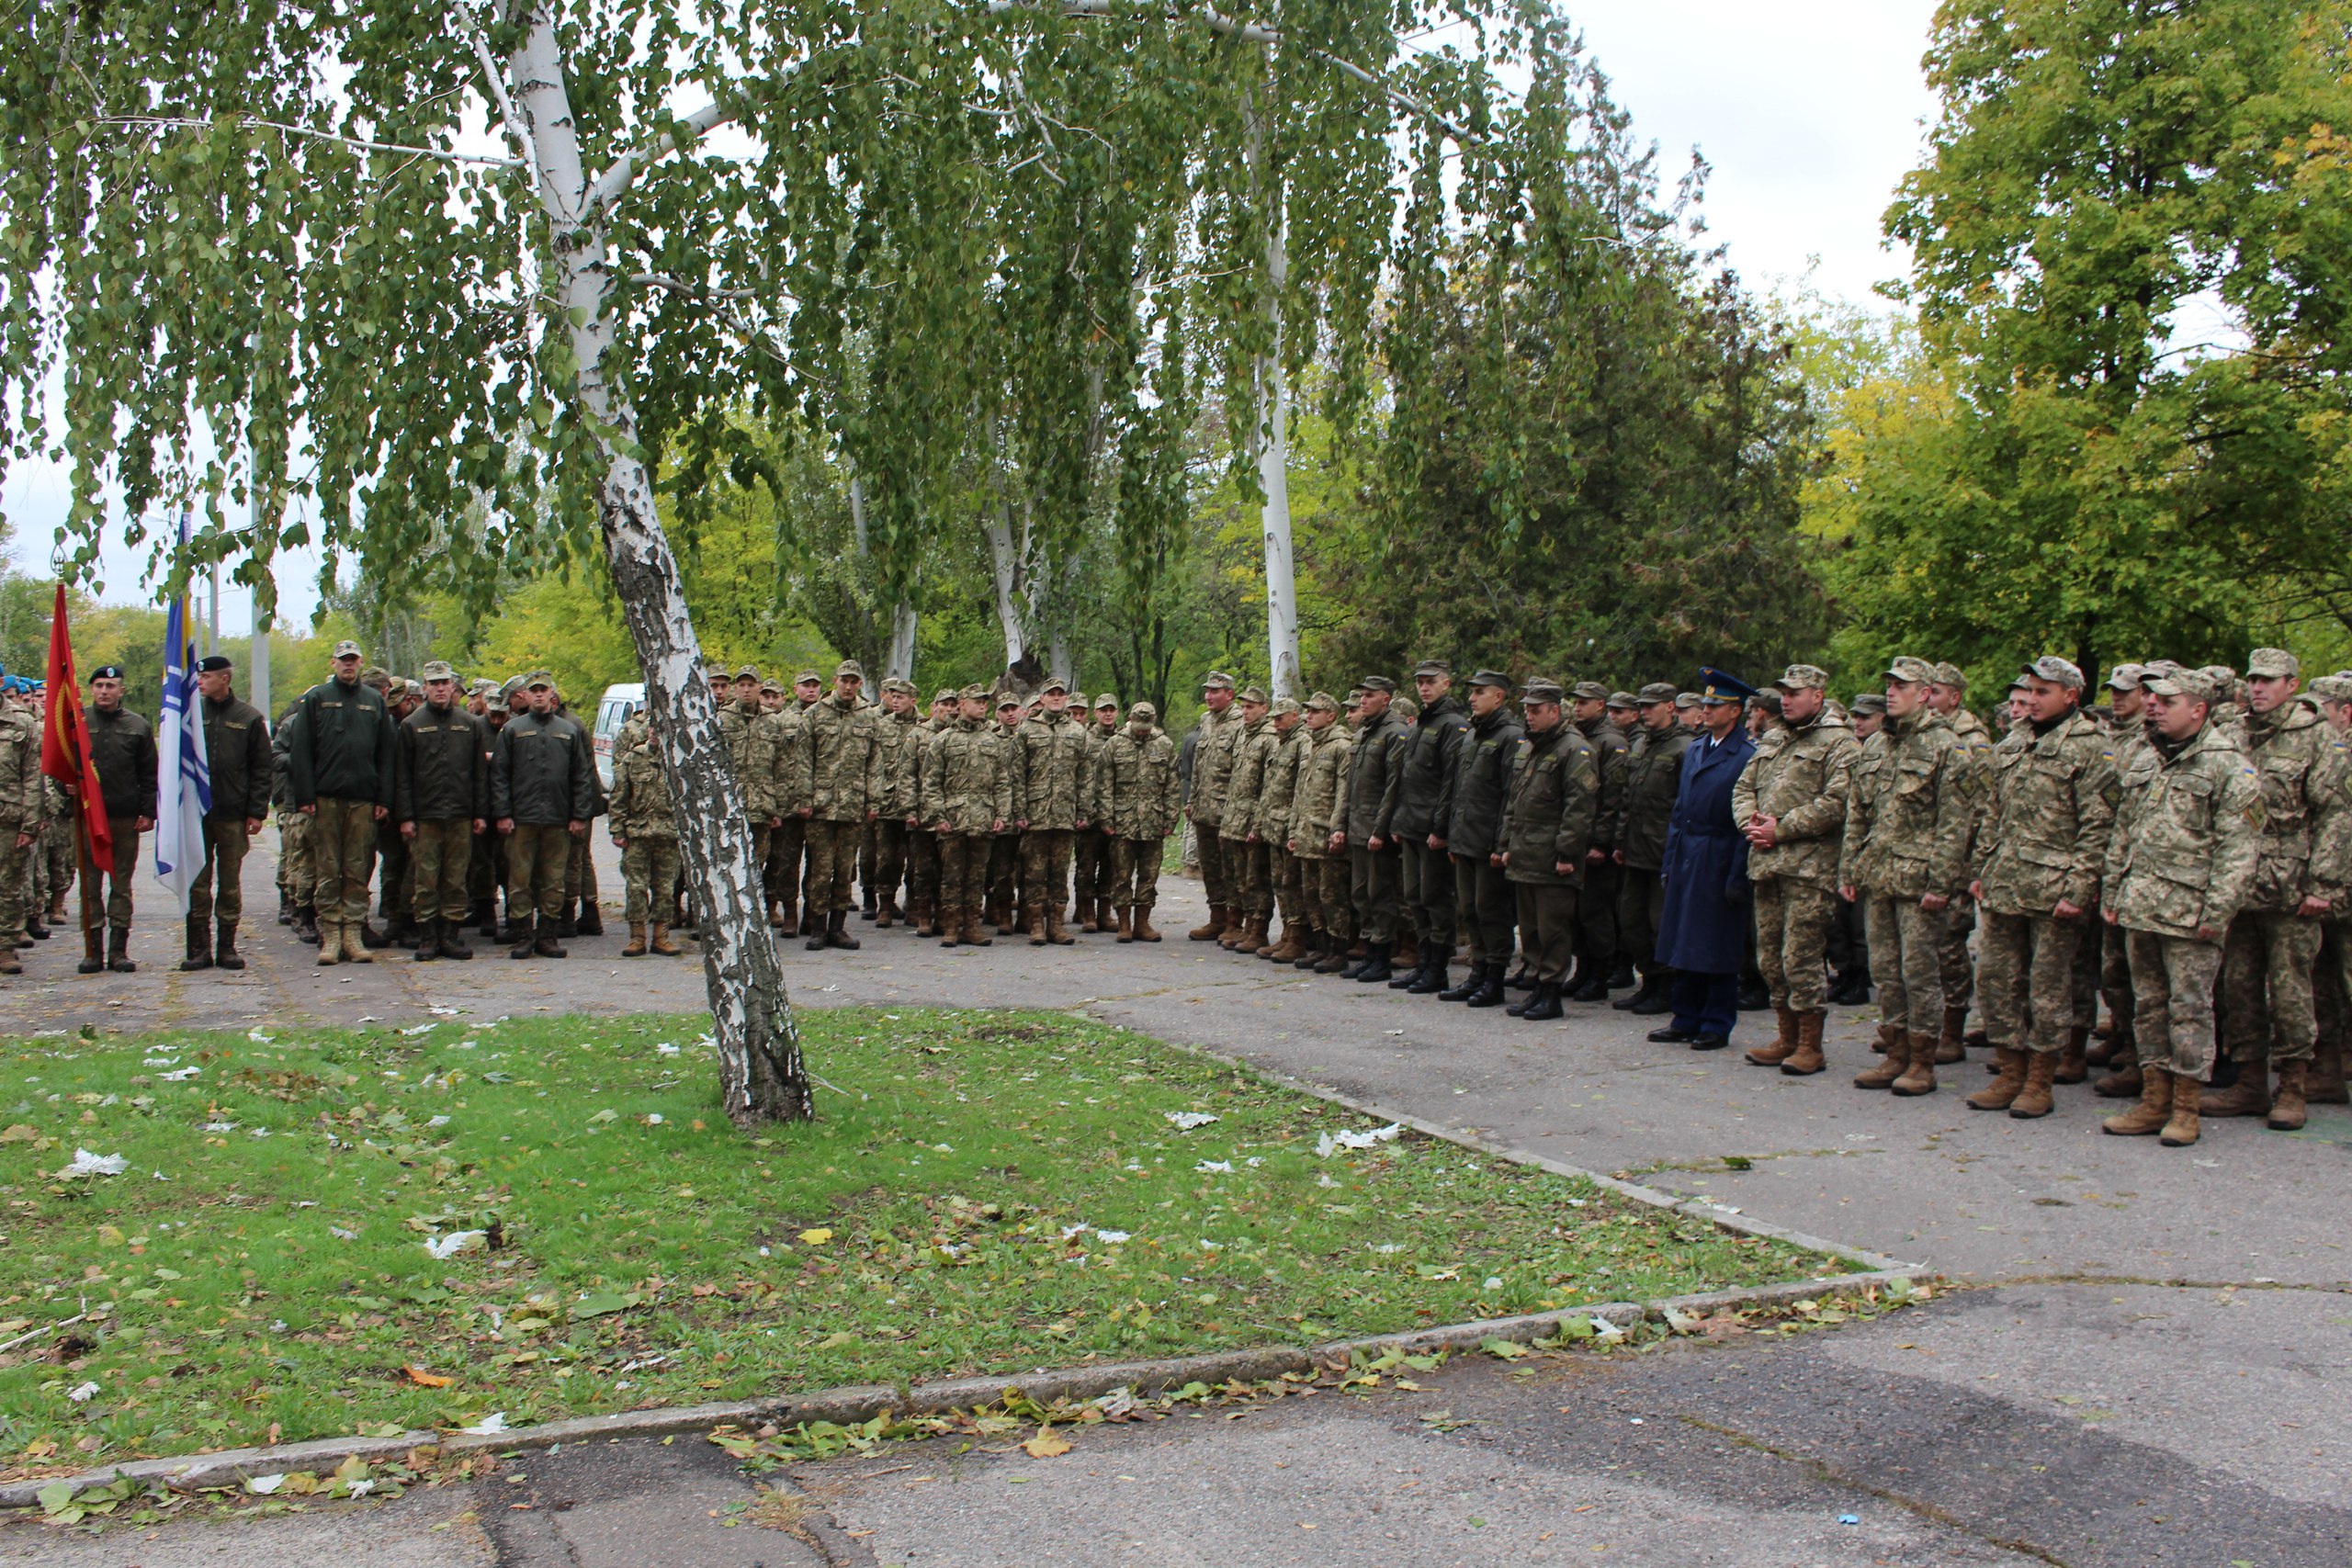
(1048, 1444)
(816, 1237)
(424, 1379)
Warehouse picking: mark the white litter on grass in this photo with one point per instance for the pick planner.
(1331, 1144)
(263, 1486)
(369, 1018)
(445, 1012)
(492, 1423)
(180, 1076)
(437, 1121)
(342, 1235)
(83, 1394)
(219, 1126)
(260, 1133)
(1390, 1247)
(1493, 1283)
(667, 1049)
(1221, 1166)
(420, 1028)
(654, 1119)
(1186, 1120)
(258, 1038)
(88, 1164)
(455, 1242)
(158, 1061)
(361, 1488)
(1323, 1178)
(1113, 1238)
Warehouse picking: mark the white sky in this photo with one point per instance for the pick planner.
(1809, 110)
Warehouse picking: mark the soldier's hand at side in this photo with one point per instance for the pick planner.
(506, 824)
(2067, 908)
(1082, 824)
(1502, 859)
(579, 829)
(1850, 893)
(311, 810)
(775, 822)
(1976, 889)
(2313, 907)
(1935, 903)
(2108, 915)
(805, 811)
(872, 814)
(1437, 841)
(1564, 868)
(997, 826)
(24, 840)
(382, 812)
(1596, 857)
(2206, 934)
(1619, 856)
(619, 843)
(408, 832)
(1255, 839)
(482, 824)
(1339, 841)
(1376, 843)
(253, 826)
(147, 822)
(1022, 824)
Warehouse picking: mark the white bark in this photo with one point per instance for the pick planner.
(762, 1074)
(901, 664)
(1005, 558)
(1270, 438)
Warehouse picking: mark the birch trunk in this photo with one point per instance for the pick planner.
(1270, 437)
(762, 1074)
(1006, 558)
(901, 665)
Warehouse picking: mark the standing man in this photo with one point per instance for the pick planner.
(1702, 929)
(2049, 794)
(1373, 860)
(122, 745)
(1653, 777)
(1091, 906)
(441, 798)
(1137, 802)
(645, 829)
(844, 751)
(1597, 909)
(967, 795)
(2180, 863)
(1849, 954)
(1215, 739)
(901, 740)
(1791, 805)
(1318, 835)
(1004, 852)
(1244, 851)
(297, 875)
(1475, 841)
(1055, 754)
(236, 748)
(1424, 804)
(1948, 695)
(21, 810)
(340, 770)
(1555, 795)
(543, 794)
(1907, 833)
(923, 843)
(1276, 797)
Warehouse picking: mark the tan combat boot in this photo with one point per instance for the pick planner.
(2153, 1110)
(976, 926)
(886, 914)
(2041, 1069)
(1055, 933)
(1032, 924)
(1124, 933)
(1287, 950)
(1141, 924)
(1898, 1058)
(1807, 1058)
(2324, 1085)
(1106, 914)
(1950, 1045)
(1235, 931)
(919, 917)
(1920, 1076)
(2009, 1064)
(662, 943)
(330, 946)
(946, 923)
(636, 948)
(355, 951)
(2074, 1063)
(1210, 929)
(1784, 1045)
(2250, 1096)
(2180, 1130)
(2287, 1105)
(1889, 1035)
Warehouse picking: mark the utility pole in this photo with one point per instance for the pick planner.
(257, 683)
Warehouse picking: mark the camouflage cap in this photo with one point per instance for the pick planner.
(507, 688)
(2160, 667)
(748, 672)
(1077, 699)
(1406, 707)
(2221, 677)
(768, 686)
(480, 686)
(2125, 677)
(1906, 668)
(1686, 699)
(1376, 683)
(1216, 681)
(346, 648)
(2272, 663)
(2333, 688)
(1949, 674)
(1437, 667)
(1054, 683)
(1590, 691)
(944, 694)
(1322, 702)
(1143, 712)
(1870, 702)
(1769, 700)
(1497, 678)
(1011, 700)
(1111, 700)
(1284, 705)
(977, 692)
(893, 683)
(808, 678)
(1803, 678)
(1541, 690)
(1656, 691)
(1622, 700)
(438, 670)
(374, 675)
(538, 678)
(1251, 694)
(2179, 682)
(849, 670)
(2060, 671)
(2018, 682)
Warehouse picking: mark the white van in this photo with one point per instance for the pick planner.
(613, 710)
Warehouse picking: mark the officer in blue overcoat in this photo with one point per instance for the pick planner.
(1702, 933)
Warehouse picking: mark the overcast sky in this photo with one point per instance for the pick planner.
(1809, 110)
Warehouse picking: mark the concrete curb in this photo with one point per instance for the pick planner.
(863, 1401)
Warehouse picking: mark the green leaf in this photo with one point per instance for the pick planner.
(1501, 1349)
(55, 1497)
(602, 1303)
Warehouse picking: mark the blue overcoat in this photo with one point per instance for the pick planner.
(1704, 930)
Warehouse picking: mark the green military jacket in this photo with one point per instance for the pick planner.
(968, 778)
(441, 766)
(1373, 756)
(20, 777)
(902, 737)
(340, 746)
(1653, 779)
(1278, 791)
(2300, 764)
(1555, 799)
(1213, 755)
(1055, 768)
(1611, 748)
(1805, 784)
(640, 792)
(1137, 793)
(2188, 837)
(1482, 764)
(1318, 804)
(236, 748)
(540, 772)
(2050, 804)
(1242, 806)
(1907, 824)
(841, 749)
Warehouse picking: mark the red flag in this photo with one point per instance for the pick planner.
(65, 740)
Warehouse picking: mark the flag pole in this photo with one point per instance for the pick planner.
(93, 951)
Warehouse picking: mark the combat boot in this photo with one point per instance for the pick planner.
(1032, 923)
(1888, 1035)
(1950, 1045)
(453, 941)
(837, 931)
(330, 947)
(2041, 1069)
(1142, 926)
(1055, 933)
(2003, 1092)
(636, 948)
(660, 942)
(1808, 1059)
(1431, 978)
(1210, 929)
(814, 924)
(484, 914)
(2124, 1083)
(118, 951)
(1620, 975)
(1595, 986)
(787, 920)
(1469, 986)
(1783, 1047)
(1406, 953)
(1544, 1005)
(2286, 1106)
(2073, 1065)
(919, 917)
(1234, 933)
(1335, 959)
(869, 901)
(592, 919)
(224, 946)
(2324, 1085)
(199, 946)
(886, 913)
(544, 942)
(1288, 948)
(94, 958)
(2180, 1129)
(284, 908)
(399, 932)
(1267, 946)
(2250, 1096)
(520, 934)
(33, 927)
(368, 935)
(1898, 1058)
(1920, 1076)
(427, 950)
(1490, 992)
(9, 963)
(975, 927)
(1641, 994)
(354, 942)
(1376, 966)
(1659, 1001)
(566, 923)
(2153, 1110)
(1256, 941)
(1125, 934)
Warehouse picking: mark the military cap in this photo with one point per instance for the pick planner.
(944, 694)
(1216, 681)
(1949, 674)
(1541, 690)
(2125, 677)
(1622, 700)
(1376, 683)
(1284, 704)
(1686, 699)
(211, 662)
(1767, 699)
(1803, 678)
(1406, 707)
(1871, 701)
(1077, 699)
(1111, 700)
(1322, 701)
(1437, 667)
(2180, 683)
(375, 674)
(346, 648)
(438, 670)
(538, 678)
(2219, 674)
(1656, 691)
(1356, 699)
(107, 672)
(1011, 700)
(1497, 678)
(892, 683)
(2273, 662)
(808, 678)
(512, 684)
(1714, 686)
(1251, 694)
(2333, 688)
(975, 693)
(1583, 691)
(1906, 668)
(1054, 683)
(767, 686)
(2060, 672)
(748, 672)
(849, 670)
(1143, 711)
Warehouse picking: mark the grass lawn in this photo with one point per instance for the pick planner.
(983, 1192)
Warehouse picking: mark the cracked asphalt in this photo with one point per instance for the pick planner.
(2142, 1356)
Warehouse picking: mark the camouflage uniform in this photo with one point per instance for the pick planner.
(966, 794)
(294, 874)
(843, 745)
(1318, 809)
(901, 737)
(1244, 851)
(1554, 801)
(1958, 969)
(646, 827)
(1004, 850)
(1216, 739)
(20, 816)
(1803, 783)
(1276, 793)
(1135, 798)
(1093, 859)
(923, 843)
(779, 753)
(1055, 768)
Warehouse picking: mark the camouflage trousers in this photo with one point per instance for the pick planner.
(886, 857)
(2115, 975)
(1323, 891)
(1641, 905)
(56, 853)
(832, 865)
(1792, 941)
(780, 861)
(537, 855)
(963, 871)
(1906, 963)
(1290, 887)
(2332, 990)
(1425, 892)
(2172, 1000)
(1134, 872)
(16, 886)
(1955, 969)
(580, 873)
(2026, 978)
(397, 887)
(440, 859)
(1044, 869)
(1217, 875)
(1547, 929)
(2266, 1003)
(1372, 889)
(220, 890)
(1247, 868)
(296, 872)
(1483, 908)
(1004, 868)
(649, 871)
(117, 884)
(922, 865)
(1092, 865)
(1597, 933)
(343, 857)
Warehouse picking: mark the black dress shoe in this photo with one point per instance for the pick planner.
(1709, 1042)
(1673, 1036)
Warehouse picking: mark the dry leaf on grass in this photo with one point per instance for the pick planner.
(1048, 1444)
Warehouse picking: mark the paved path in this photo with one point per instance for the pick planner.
(2151, 1365)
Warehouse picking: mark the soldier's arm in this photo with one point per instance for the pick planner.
(1856, 834)
(2330, 782)
(2094, 819)
(1579, 807)
(1449, 753)
(404, 775)
(1608, 799)
(2237, 846)
(384, 766)
(301, 768)
(1743, 791)
(874, 770)
(1955, 824)
(1005, 798)
(502, 778)
(1171, 798)
(1825, 814)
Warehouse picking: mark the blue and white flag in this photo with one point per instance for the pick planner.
(183, 767)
